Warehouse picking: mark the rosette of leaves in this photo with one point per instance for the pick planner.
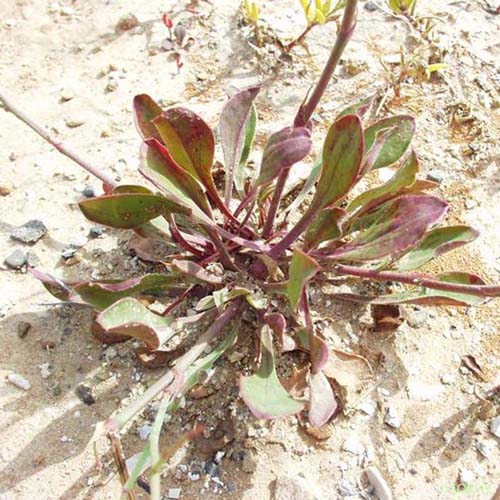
(382, 233)
(267, 263)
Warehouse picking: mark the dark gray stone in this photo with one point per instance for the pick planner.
(85, 394)
(371, 6)
(30, 232)
(23, 327)
(16, 259)
(88, 192)
(95, 231)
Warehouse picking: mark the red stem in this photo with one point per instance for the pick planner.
(418, 279)
(311, 102)
(97, 172)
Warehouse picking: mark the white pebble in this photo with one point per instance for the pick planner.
(486, 448)
(419, 391)
(495, 427)
(353, 445)
(380, 485)
(174, 493)
(18, 381)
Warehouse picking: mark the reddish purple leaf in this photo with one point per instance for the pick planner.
(402, 223)
(145, 110)
(283, 149)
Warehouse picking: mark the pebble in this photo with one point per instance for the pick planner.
(111, 86)
(68, 252)
(353, 445)
(74, 123)
(392, 438)
(30, 232)
(67, 11)
(66, 95)
(417, 319)
(379, 484)
(193, 476)
(16, 259)
(32, 259)
(211, 468)
(435, 176)
(369, 407)
(88, 191)
(174, 493)
(392, 419)
(419, 391)
(371, 6)
(5, 190)
(144, 432)
(126, 23)
(95, 231)
(19, 381)
(347, 489)
(85, 394)
(290, 488)
(486, 447)
(23, 327)
(495, 427)
(465, 476)
(110, 353)
(45, 370)
(447, 378)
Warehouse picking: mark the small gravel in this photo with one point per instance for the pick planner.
(16, 259)
(85, 394)
(30, 232)
(19, 381)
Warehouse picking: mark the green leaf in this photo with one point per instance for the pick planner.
(308, 185)
(102, 295)
(342, 155)
(404, 177)
(302, 270)
(220, 297)
(436, 242)
(401, 224)
(325, 227)
(128, 210)
(425, 296)
(262, 392)
(359, 108)
(250, 130)
(232, 127)
(145, 110)
(395, 146)
(129, 317)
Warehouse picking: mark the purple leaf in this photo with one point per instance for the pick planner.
(401, 224)
(232, 127)
(283, 149)
(195, 271)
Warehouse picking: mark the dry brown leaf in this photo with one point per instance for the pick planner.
(472, 365)
(296, 383)
(156, 359)
(349, 372)
(106, 337)
(386, 318)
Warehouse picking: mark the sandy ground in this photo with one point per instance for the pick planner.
(65, 65)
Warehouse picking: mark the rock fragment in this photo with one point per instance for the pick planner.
(30, 232)
(16, 259)
(19, 381)
(379, 484)
(85, 394)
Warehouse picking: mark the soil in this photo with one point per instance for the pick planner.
(66, 65)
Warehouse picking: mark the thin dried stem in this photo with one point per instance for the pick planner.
(92, 169)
